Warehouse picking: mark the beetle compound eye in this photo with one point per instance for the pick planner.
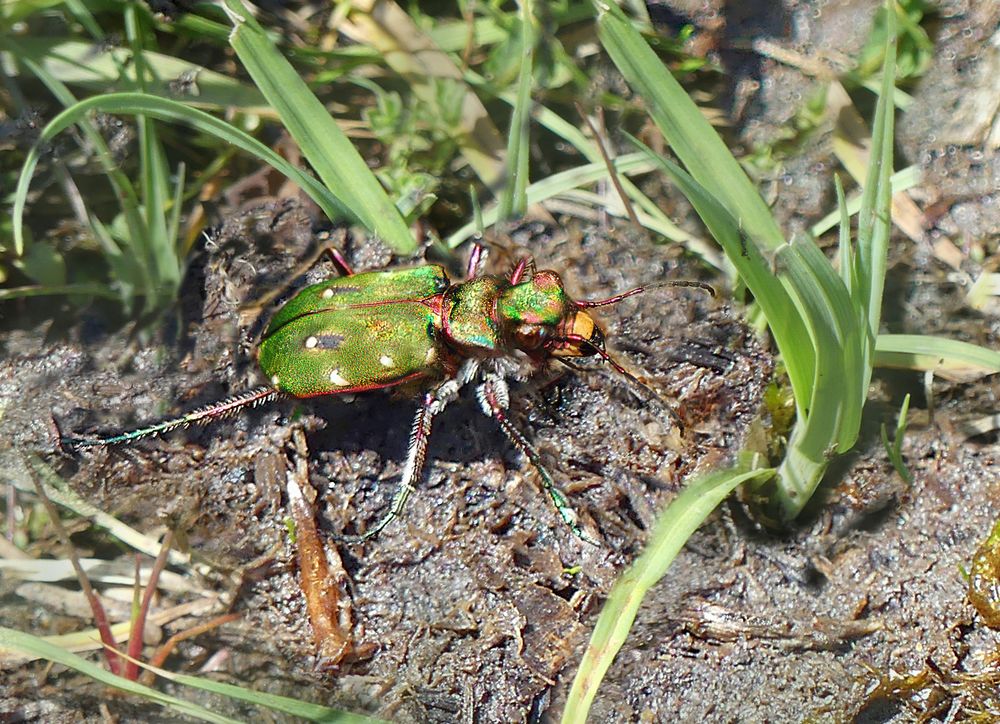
(531, 336)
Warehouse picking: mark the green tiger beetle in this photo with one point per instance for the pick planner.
(382, 329)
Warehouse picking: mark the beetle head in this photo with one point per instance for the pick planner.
(543, 320)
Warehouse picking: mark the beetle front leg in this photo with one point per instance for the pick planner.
(493, 397)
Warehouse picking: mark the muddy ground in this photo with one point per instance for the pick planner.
(476, 605)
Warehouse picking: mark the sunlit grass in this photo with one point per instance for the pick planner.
(823, 314)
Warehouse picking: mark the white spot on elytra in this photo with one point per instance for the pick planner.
(275, 380)
(386, 361)
(336, 379)
(327, 293)
(311, 342)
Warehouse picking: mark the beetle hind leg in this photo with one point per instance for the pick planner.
(201, 416)
(493, 397)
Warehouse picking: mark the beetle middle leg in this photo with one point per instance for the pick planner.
(493, 397)
(433, 403)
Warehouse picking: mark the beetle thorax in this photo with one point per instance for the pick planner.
(469, 316)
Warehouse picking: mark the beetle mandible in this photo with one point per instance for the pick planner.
(382, 329)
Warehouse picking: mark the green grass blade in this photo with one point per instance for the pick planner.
(690, 136)
(874, 219)
(323, 144)
(705, 250)
(514, 199)
(128, 271)
(947, 358)
(677, 523)
(168, 110)
(410, 50)
(786, 324)
(294, 707)
(59, 491)
(830, 419)
(662, 223)
(158, 249)
(82, 65)
(556, 184)
(894, 449)
(845, 248)
(174, 220)
(83, 16)
(841, 386)
(902, 180)
(50, 290)
(23, 643)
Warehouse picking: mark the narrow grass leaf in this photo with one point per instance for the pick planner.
(902, 180)
(98, 68)
(12, 640)
(894, 449)
(830, 419)
(294, 707)
(131, 274)
(705, 250)
(687, 131)
(59, 492)
(556, 184)
(55, 290)
(174, 218)
(947, 358)
(874, 220)
(837, 336)
(323, 144)
(413, 53)
(514, 199)
(783, 318)
(558, 125)
(845, 248)
(168, 110)
(159, 250)
(677, 523)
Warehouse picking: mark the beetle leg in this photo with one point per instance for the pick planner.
(201, 416)
(338, 261)
(523, 271)
(493, 396)
(477, 261)
(434, 402)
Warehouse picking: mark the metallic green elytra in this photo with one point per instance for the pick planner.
(384, 329)
(356, 333)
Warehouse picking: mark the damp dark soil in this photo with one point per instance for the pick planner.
(476, 603)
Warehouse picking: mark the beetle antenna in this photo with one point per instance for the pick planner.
(201, 416)
(584, 304)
